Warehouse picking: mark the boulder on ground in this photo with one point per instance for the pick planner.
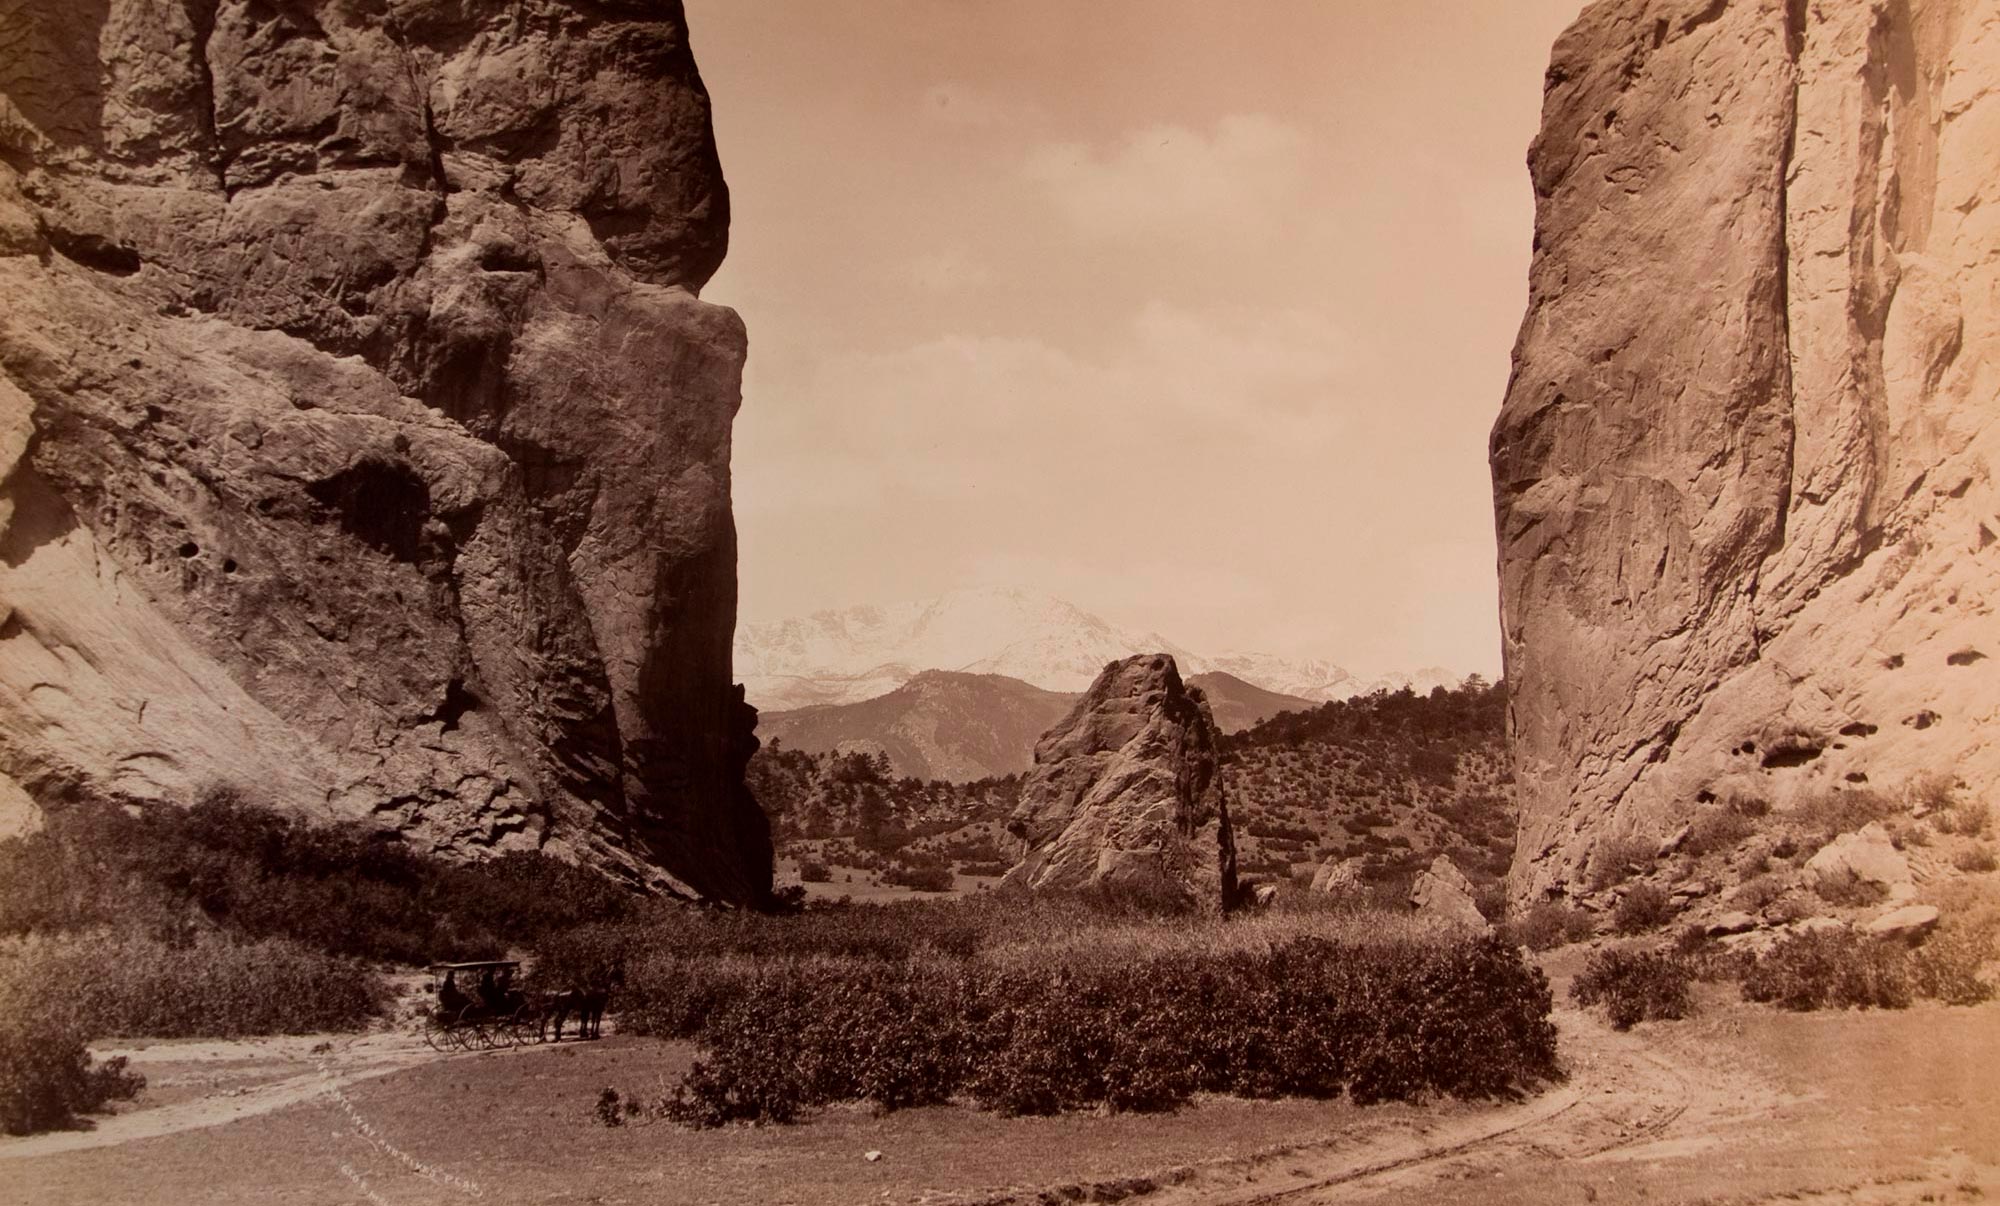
(1868, 855)
(1732, 923)
(1442, 893)
(1911, 924)
(1339, 877)
(1125, 792)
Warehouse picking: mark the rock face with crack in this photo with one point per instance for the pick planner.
(364, 446)
(1125, 793)
(1749, 528)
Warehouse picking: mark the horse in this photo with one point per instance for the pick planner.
(586, 1002)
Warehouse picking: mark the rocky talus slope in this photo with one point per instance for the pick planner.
(363, 443)
(1744, 475)
(1125, 792)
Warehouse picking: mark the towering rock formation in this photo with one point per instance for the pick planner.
(1744, 475)
(363, 443)
(1125, 792)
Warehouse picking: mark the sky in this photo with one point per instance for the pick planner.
(1193, 314)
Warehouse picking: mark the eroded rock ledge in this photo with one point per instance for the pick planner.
(363, 443)
(1744, 473)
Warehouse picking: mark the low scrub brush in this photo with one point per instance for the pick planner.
(47, 1078)
(1840, 969)
(1309, 1017)
(1636, 986)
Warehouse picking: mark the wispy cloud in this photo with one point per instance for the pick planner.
(1171, 179)
(990, 416)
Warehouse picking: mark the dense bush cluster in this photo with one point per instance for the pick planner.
(1140, 1030)
(210, 985)
(1644, 907)
(258, 874)
(47, 1077)
(1550, 924)
(1840, 969)
(1636, 986)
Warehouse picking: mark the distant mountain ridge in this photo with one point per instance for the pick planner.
(860, 653)
(1237, 705)
(944, 724)
(941, 724)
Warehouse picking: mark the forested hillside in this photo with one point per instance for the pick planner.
(1392, 779)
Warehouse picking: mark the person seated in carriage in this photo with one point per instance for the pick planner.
(451, 998)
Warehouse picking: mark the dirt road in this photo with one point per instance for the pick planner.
(1739, 1105)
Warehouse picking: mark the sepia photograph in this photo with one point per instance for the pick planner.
(999, 602)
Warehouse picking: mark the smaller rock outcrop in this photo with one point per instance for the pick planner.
(1868, 855)
(1736, 922)
(1125, 793)
(1339, 877)
(1443, 894)
(1911, 924)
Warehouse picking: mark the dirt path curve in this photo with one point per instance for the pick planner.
(289, 1070)
(1621, 1092)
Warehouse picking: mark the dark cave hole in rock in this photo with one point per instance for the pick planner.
(382, 503)
(1794, 752)
(188, 548)
(1964, 657)
(457, 702)
(94, 251)
(1857, 729)
(229, 565)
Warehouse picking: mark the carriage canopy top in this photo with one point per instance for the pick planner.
(475, 966)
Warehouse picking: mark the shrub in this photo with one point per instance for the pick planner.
(1644, 907)
(1717, 830)
(813, 871)
(1389, 1020)
(1946, 968)
(1843, 970)
(109, 983)
(1825, 815)
(1831, 969)
(993, 869)
(258, 874)
(1848, 890)
(1550, 924)
(47, 1077)
(1975, 860)
(1615, 860)
(923, 879)
(1755, 895)
(1635, 986)
(1967, 818)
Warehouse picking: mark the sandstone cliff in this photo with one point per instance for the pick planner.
(1125, 792)
(1744, 472)
(363, 443)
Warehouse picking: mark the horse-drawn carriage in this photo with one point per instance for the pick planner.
(479, 1005)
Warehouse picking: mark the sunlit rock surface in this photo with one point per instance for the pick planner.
(1744, 472)
(1125, 793)
(363, 444)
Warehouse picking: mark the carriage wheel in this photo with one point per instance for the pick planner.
(437, 1035)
